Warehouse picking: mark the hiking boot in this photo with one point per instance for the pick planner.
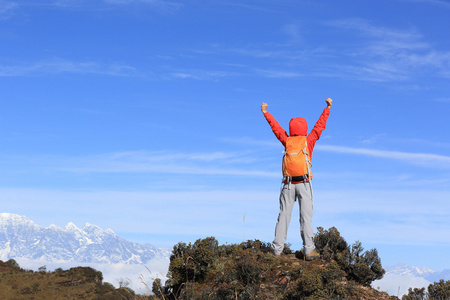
(312, 255)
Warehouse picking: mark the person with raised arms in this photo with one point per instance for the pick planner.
(297, 177)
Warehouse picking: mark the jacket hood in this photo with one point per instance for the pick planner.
(298, 126)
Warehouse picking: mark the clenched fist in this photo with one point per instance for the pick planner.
(264, 107)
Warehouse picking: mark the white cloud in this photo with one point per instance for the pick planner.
(422, 159)
(392, 216)
(278, 73)
(58, 66)
(279, 52)
(293, 31)
(255, 7)
(163, 162)
(7, 9)
(371, 71)
(388, 38)
(251, 141)
(202, 74)
(443, 3)
(443, 100)
(385, 54)
(160, 4)
(397, 285)
(244, 163)
(379, 54)
(216, 75)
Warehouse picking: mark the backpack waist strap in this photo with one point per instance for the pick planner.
(295, 179)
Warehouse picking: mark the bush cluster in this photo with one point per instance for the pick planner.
(320, 282)
(439, 290)
(205, 270)
(361, 267)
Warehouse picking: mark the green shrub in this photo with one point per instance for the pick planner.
(329, 243)
(439, 290)
(311, 282)
(247, 269)
(13, 263)
(204, 254)
(415, 294)
(109, 286)
(157, 288)
(190, 263)
(319, 282)
(362, 267)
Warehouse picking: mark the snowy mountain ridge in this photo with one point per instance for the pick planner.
(403, 269)
(20, 237)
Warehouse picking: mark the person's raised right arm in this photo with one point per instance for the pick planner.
(279, 132)
(264, 107)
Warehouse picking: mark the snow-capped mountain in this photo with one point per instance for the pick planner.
(20, 237)
(428, 274)
(399, 278)
(404, 269)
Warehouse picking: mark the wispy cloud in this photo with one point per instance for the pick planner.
(7, 9)
(293, 31)
(164, 162)
(202, 74)
(398, 38)
(377, 72)
(378, 53)
(443, 3)
(253, 6)
(251, 141)
(422, 159)
(279, 73)
(244, 163)
(59, 66)
(162, 6)
(80, 3)
(443, 100)
(373, 139)
(283, 52)
(386, 54)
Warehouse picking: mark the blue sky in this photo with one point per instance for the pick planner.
(143, 116)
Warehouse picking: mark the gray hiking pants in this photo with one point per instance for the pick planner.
(291, 192)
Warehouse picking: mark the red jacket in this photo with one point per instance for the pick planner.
(298, 126)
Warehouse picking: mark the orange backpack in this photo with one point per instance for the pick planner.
(296, 160)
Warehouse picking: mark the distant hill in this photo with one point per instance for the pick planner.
(76, 283)
(21, 238)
